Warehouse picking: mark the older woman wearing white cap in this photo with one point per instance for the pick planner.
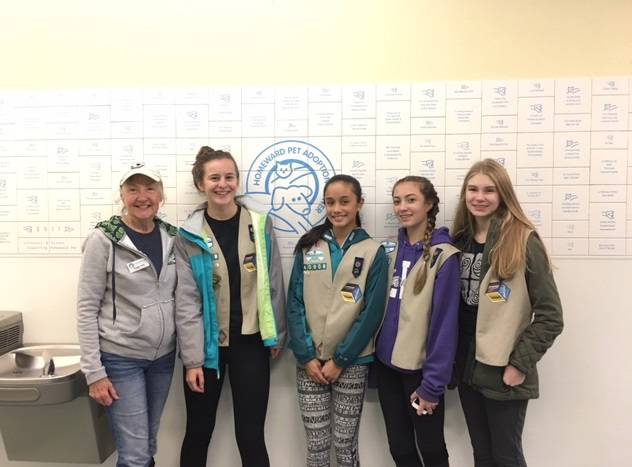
(126, 316)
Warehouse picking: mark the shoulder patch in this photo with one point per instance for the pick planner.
(389, 246)
(435, 256)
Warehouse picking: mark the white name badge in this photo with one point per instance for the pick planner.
(137, 265)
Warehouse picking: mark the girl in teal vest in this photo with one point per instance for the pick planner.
(229, 310)
(335, 305)
(510, 313)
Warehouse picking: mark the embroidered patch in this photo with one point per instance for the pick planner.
(315, 256)
(389, 246)
(351, 293)
(435, 256)
(250, 262)
(357, 266)
(315, 267)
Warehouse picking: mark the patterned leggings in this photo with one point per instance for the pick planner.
(342, 399)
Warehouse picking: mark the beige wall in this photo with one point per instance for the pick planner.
(582, 418)
(78, 43)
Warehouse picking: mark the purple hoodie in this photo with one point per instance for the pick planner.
(442, 336)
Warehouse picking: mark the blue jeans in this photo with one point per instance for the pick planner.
(142, 387)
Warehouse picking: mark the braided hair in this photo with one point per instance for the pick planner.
(427, 189)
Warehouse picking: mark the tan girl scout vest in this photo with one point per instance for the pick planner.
(331, 310)
(248, 273)
(409, 351)
(500, 324)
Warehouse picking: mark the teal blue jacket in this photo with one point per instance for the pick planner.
(196, 308)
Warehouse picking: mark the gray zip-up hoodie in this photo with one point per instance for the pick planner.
(145, 312)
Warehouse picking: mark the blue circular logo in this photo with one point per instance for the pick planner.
(288, 176)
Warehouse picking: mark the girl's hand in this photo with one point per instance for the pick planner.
(331, 371)
(424, 407)
(314, 371)
(274, 352)
(513, 376)
(195, 379)
(103, 392)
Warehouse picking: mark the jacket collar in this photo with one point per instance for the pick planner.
(114, 230)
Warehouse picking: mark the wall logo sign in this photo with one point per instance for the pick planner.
(289, 177)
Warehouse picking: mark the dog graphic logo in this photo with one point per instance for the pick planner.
(288, 176)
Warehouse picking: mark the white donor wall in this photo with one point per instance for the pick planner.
(565, 143)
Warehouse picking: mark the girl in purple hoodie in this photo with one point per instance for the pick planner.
(417, 342)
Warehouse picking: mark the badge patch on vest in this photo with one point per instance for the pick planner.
(357, 266)
(315, 267)
(251, 232)
(498, 291)
(389, 246)
(435, 256)
(172, 259)
(250, 262)
(351, 293)
(315, 256)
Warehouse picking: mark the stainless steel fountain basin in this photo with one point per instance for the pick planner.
(45, 412)
(27, 375)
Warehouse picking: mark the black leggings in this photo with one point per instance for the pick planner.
(407, 431)
(495, 428)
(248, 364)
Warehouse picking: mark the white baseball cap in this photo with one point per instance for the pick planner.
(140, 169)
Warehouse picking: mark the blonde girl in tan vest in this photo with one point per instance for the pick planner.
(510, 313)
(335, 305)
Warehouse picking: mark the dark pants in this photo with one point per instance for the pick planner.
(248, 364)
(495, 428)
(404, 427)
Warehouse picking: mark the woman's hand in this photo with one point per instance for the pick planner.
(103, 392)
(513, 376)
(331, 371)
(195, 379)
(274, 352)
(314, 371)
(425, 407)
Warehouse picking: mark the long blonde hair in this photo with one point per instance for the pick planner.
(509, 253)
